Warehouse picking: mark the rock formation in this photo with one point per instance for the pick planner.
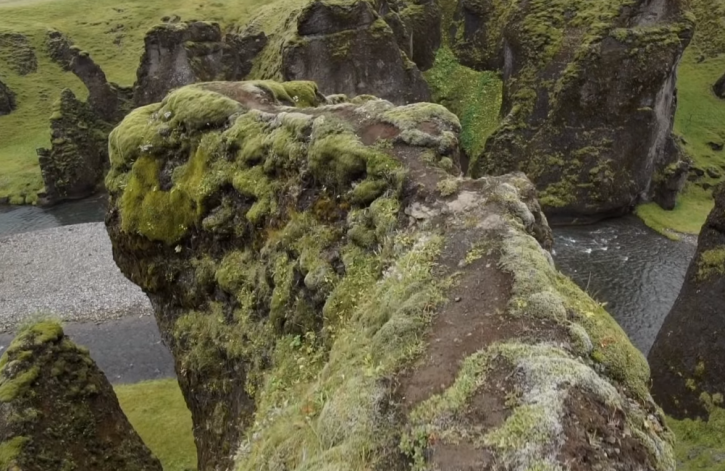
(346, 47)
(719, 87)
(18, 53)
(589, 98)
(686, 358)
(77, 161)
(107, 100)
(59, 412)
(7, 99)
(337, 296)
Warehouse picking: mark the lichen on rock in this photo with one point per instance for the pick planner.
(58, 411)
(324, 274)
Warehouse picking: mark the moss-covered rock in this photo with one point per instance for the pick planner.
(589, 97)
(58, 410)
(77, 161)
(17, 52)
(687, 353)
(338, 297)
(7, 99)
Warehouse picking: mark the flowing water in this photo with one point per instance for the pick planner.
(635, 271)
(620, 262)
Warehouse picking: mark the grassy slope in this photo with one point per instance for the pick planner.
(158, 412)
(93, 25)
(699, 120)
(700, 445)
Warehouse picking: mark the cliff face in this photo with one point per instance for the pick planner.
(337, 296)
(58, 411)
(686, 357)
(589, 98)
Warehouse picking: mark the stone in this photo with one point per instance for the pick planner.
(77, 161)
(716, 146)
(346, 47)
(303, 257)
(588, 107)
(58, 410)
(719, 87)
(17, 52)
(7, 99)
(686, 356)
(713, 172)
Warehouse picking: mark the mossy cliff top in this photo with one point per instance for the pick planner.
(338, 297)
(58, 411)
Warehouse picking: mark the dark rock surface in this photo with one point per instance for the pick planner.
(346, 47)
(686, 358)
(588, 105)
(7, 99)
(337, 296)
(107, 100)
(719, 87)
(76, 163)
(58, 411)
(18, 53)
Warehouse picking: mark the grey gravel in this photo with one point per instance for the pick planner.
(65, 272)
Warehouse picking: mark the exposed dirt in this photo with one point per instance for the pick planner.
(594, 432)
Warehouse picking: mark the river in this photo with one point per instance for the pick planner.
(620, 262)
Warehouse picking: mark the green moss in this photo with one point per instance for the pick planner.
(9, 450)
(448, 187)
(699, 442)
(711, 262)
(475, 97)
(11, 388)
(302, 94)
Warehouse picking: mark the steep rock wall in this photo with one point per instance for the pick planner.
(719, 87)
(686, 358)
(338, 297)
(58, 410)
(589, 98)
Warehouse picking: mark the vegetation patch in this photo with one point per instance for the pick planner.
(700, 444)
(158, 413)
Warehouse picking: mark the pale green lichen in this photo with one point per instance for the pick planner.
(9, 450)
(711, 262)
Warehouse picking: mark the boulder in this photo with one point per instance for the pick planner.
(337, 296)
(77, 161)
(346, 47)
(588, 105)
(17, 52)
(686, 358)
(7, 99)
(107, 100)
(719, 87)
(58, 410)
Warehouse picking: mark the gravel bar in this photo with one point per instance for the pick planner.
(65, 272)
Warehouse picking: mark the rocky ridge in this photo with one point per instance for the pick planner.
(337, 296)
(58, 410)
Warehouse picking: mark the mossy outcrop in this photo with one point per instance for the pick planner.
(338, 297)
(589, 97)
(686, 358)
(346, 47)
(77, 161)
(58, 411)
(7, 99)
(17, 52)
(719, 87)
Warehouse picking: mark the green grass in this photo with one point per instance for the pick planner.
(158, 412)
(475, 97)
(112, 32)
(691, 210)
(700, 444)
